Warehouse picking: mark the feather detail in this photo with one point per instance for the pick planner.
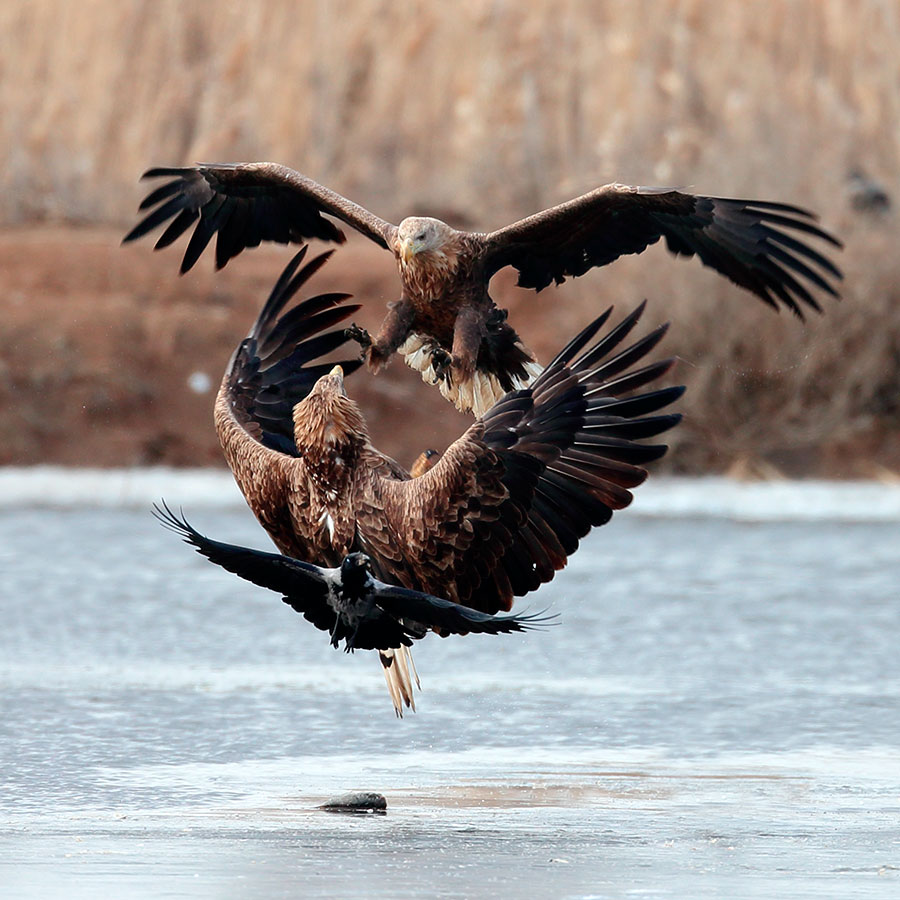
(397, 665)
(476, 394)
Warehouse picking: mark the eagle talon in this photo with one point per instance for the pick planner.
(362, 337)
(441, 361)
(495, 318)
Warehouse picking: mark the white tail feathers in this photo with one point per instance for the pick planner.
(397, 665)
(477, 395)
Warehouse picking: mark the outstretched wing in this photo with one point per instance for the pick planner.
(271, 371)
(304, 587)
(275, 367)
(307, 585)
(447, 617)
(247, 203)
(756, 244)
(510, 500)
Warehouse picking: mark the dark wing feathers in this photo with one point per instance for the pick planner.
(510, 500)
(268, 570)
(753, 243)
(630, 381)
(304, 587)
(177, 227)
(448, 617)
(248, 203)
(286, 288)
(275, 367)
(301, 323)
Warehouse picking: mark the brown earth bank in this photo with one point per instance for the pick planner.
(479, 112)
(109, 358)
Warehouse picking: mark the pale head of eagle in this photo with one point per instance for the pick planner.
(428, 244)
(328, 426)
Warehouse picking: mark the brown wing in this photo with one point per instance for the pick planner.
(754, 243)
(271, 371)
(510, 500)
(247, 203)
(422, 538)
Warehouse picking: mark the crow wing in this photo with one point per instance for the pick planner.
(307, 585)
(754, 243)
(247, 203)
(509, 501)
(304, 587)
(447, 617)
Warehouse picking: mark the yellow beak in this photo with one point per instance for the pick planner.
(406, 250)
(337, 370)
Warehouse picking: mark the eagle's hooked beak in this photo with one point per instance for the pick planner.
(407, 251)
(338, 372)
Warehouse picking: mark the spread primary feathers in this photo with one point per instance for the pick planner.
(444, 322)
(506, 503)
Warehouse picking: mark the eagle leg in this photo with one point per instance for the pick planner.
(394, 331)
(469, 331)
(441, 362)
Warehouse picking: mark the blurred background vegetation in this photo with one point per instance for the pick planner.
(480, 112)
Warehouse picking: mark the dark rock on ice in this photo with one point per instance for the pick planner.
(357, 802)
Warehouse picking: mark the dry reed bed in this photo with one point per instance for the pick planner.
(485, 111)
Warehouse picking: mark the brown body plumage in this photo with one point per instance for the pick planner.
(501, 510)
(445, 323)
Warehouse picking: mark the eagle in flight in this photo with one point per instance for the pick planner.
(444, 322)
(500, 511)
(348, 601)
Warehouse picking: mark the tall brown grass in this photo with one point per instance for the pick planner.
(485, 110)
(489, 108)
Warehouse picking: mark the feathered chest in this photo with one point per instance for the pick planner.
(330, 473)
(431, 276)
(328, 512)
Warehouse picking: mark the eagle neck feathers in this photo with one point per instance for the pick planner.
(330, 438)
(428, 275)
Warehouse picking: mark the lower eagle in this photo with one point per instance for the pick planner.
(494, 517)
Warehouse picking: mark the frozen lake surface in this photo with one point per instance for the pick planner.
(717, 714)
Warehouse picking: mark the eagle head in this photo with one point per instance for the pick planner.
(421, 234)
(328, 425)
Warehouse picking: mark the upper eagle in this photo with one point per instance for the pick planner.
(444, 322)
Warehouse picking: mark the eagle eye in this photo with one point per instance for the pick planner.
(420, 237)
